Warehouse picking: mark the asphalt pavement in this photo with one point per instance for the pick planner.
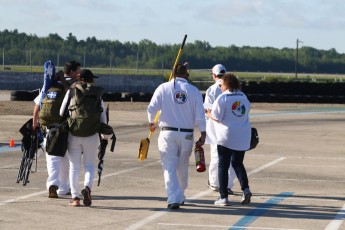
(296, 175)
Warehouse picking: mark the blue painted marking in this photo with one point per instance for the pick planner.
(254, 214)
(5, 149)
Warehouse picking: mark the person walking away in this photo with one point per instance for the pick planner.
(233, 133)
(86, 112)
(211, 95)
(47, 110)
(181, 109)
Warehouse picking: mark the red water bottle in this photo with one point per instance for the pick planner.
(199, 159)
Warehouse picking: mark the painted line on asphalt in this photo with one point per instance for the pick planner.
(251, 216)
(337, 221)
(140, 224)
(220, 226)
(96, 179)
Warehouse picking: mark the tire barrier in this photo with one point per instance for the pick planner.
(24, 95)
(294, 92)
(277, 92)
(110, 96)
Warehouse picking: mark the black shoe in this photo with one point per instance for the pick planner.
(174, 206)
(53, 191)
(246, 196)
(230, 192)
(86, 192)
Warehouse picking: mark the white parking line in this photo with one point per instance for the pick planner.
(96, 178)
(221, 227)
(143, 222)
(337, 221)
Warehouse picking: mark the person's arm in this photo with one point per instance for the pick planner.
(202, 139)
(200, 119)
(209, 115)
(153, 108)
(35, 116)
(104, 113)
(36, 111)
(64, 103)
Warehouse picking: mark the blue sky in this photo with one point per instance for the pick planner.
(260, 23)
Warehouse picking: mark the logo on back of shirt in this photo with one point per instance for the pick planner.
(180, 97)
(238, 109)
(51, 95)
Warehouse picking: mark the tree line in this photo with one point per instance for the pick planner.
(24, 49)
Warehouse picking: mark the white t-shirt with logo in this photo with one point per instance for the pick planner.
(180, 104)
(233, 129)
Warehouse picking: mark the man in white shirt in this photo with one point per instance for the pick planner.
(181, 109)
(211, 95)
(57, 167)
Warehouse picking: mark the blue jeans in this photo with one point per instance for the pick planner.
(226, 155)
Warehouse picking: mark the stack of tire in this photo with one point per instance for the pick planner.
(24, 95)
(127, 96)
(294, 92)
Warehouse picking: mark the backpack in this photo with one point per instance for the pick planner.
(51, 103)
(85, 109)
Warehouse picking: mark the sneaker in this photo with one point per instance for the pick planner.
(86, 192)
(74, 202)
(53, 191)
(214, 188)
(230, 192)
(246, 196)
(174, 206)
(222, 202)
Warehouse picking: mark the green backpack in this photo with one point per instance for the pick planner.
(85, 109)
(51, 103)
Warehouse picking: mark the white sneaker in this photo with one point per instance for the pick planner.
(246, 196)
(222, 202)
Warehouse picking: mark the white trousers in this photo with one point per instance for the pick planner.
(58, 170)
(88, 147)
(175, 149)
(213, 169)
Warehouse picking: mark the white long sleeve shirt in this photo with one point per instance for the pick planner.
(181, 105)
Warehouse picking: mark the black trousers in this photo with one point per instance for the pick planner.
(226, 156)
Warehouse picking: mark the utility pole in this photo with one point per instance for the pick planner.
(296, 58)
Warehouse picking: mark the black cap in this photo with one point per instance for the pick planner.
(86, 75)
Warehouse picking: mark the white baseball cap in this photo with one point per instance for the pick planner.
(218, 70)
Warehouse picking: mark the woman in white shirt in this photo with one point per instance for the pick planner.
(233, 132)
